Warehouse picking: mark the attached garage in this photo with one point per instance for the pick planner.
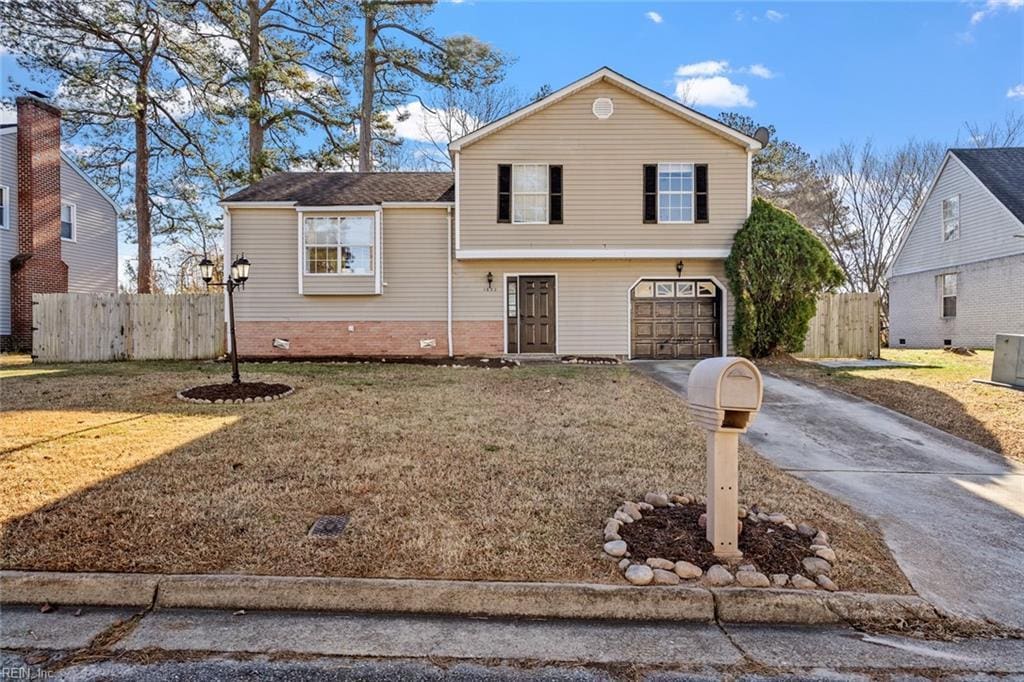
(677, 318)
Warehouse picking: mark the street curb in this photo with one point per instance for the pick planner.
(457, 598)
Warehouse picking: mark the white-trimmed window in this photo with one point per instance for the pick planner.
(529, 193)
(68, 222)
(5, 207)
(336, 245)
(675, 192)
(949, 295)
(951, 218)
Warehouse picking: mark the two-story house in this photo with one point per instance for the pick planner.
(958, 277)
(58, 230)
(594, 221)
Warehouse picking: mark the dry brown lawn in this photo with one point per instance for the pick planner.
(445, 473)
(941, 394)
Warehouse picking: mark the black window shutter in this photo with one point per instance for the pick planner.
(651, 193)
(504, 193)
(555, 195)
(700, 198)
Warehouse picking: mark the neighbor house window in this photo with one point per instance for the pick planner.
(951, 218)
(5, 208)
(68, 227)
(529, 193)
(336, 245)
(949, 295)
(675, 193)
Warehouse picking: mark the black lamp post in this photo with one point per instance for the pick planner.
(238, 274)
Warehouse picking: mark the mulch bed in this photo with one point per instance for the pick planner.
(673, 533)
(431, 360)
(232, 392)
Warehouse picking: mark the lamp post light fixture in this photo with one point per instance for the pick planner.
(679, 269)
(490, 281)
(238, 274)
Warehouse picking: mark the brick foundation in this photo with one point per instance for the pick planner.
(385, 338)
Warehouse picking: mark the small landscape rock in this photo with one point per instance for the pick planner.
(752, 579)
(827, 583)
(779, 579)
(663, 564)
(826, 553)
(623, 517)
(761, 516)
(613, 525)
(632, 510)
(638, 574)
(663, 577)
(615, 548)
(747, 567)
(656, 499)
(741, 512)
(815, 565)
(719, 576)
(790, 525)
(821, 538)
(702, 521)
(46, 608)
(777, 518)
(681, 499)
(624, 564)
(611, 537)
(688, 571)
(802, 583)
(806, 531)
(645, 506)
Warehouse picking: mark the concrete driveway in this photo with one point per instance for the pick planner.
(952, 512)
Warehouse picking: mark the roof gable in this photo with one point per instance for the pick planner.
(605, 74)
(1001, 171)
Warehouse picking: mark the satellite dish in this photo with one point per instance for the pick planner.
(762, 135)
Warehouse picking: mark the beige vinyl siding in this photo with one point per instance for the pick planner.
(335, 283)
(986, 226)
(602, 164)
(414, 269)
(92, 256)
(591, 296)
(9, 236)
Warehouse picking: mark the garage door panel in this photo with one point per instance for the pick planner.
(679, 326)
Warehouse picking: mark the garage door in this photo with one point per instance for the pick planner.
(675, 319)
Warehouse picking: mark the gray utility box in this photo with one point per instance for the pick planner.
(1008, 362)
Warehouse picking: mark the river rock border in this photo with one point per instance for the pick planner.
(657, 571)
(235, 401)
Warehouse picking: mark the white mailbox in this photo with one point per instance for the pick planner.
(724, 395)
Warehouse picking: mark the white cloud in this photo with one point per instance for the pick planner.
(993, 7)
(7, 114)
(714, 91)
(772, 15)
(708, 68)
(1016, 91)
(414, 122)
(654, 16)
(761, 71)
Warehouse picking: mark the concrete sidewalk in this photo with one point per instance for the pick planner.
(952, 512)
(200, 644)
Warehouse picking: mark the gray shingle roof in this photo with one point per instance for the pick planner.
(349, 189)
(1001, 170)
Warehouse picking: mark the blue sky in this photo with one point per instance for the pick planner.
(840, 70)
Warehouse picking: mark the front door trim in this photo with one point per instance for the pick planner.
(504, 306)
(724, 312)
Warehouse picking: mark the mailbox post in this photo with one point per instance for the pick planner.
(724, 395)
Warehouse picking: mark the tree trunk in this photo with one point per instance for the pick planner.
(256, 90)
(142, 212)
(369, 74)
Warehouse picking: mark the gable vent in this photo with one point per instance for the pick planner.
(603, 107)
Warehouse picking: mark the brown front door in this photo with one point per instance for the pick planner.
(536, 314)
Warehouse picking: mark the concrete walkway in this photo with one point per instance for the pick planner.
(952, 512)
(174, 644)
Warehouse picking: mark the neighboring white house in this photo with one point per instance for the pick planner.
(958, 276)
(58, 230)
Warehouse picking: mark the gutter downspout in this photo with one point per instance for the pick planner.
(451, 351)
(227, 259)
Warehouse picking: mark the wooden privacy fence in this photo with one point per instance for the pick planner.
(844, 326)
(98, 327)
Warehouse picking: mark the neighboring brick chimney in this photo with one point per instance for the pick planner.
(38, 268)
